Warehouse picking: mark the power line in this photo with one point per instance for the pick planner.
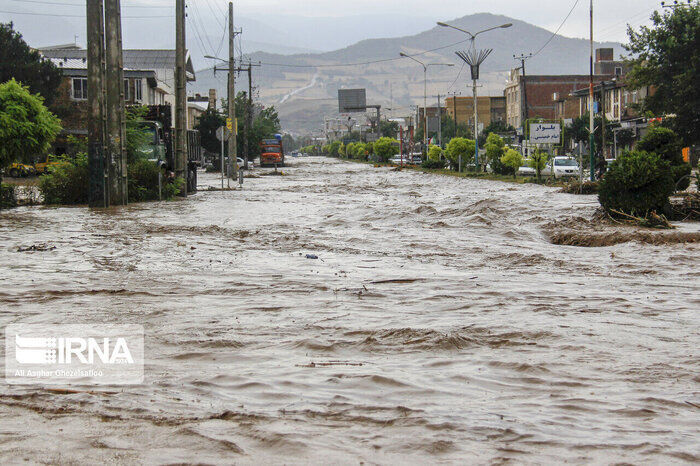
(82, 5)
(558, 29)
(79, 16)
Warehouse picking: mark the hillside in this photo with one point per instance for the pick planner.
(303, 87)
(398, 84)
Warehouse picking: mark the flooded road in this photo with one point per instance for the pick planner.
(437, 325)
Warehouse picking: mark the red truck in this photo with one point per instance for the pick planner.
(271, 152)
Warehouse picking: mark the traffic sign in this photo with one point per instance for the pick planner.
(222, 134)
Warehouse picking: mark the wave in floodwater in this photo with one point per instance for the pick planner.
(439, 323)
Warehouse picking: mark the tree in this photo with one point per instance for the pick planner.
(208, 123)
(388, 129)
(513, 160)
(27, 66)
(668, 58)
(500, 127)
(460, 148)
(385, 148)
(667, 145)
(266, 124)
(434, 153)
(27, 128)
(449, 130)
(538, 161)
(495, 148)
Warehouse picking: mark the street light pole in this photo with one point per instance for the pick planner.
(475, 60)
(425, 95)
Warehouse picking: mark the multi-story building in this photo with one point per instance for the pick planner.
(489, 109)
(149, 79)
(548, 96)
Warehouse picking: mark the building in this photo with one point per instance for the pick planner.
(489, 109)
(549, 96)
(197, 105)
(149, 79)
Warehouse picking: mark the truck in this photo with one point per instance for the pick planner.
(157, 123)
(271, 152)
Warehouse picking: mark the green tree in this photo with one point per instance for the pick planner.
(388, 129)
(27, 127)
(460, 147)
(208, 123)
(385, 148)
(435, 153)
(667, 145)
(449, 130)
(538, 160)
(495, 148)
(667, 56)
(20, 62)
(513, 160)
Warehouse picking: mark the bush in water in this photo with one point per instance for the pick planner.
(668, 145)
(8, 198)
(637, 183)
(67, 183)
(433, 164)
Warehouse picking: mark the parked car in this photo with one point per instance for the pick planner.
(562, 167)
(525, 169)
(398, 160)
(16, 170)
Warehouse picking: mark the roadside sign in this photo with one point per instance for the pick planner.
(229, 124)
(222, 134)
(352, 100)
(545, 133)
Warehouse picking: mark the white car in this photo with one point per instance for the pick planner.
(562, 167)
(525, 169)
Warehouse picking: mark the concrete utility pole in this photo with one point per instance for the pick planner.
(591, 127)
(454, 109)
(98, 178)
(522, 59)
(116, 124)
(180, 162)
(439, 122)
(232, 146)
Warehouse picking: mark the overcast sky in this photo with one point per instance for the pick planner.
(610, 18)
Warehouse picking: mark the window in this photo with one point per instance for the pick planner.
(138, 90)
(80, 89)
(126, 90)
(618, 71)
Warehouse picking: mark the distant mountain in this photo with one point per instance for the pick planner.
(297, 84)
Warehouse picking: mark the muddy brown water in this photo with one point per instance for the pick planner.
(437, 325)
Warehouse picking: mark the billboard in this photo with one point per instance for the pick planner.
(352, 100)
(545, 133)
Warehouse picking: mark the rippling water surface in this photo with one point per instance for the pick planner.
(437, 325)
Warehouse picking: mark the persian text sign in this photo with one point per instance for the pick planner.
(545, 133)
(74, 354)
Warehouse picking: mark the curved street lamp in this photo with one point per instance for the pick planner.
(425, 94)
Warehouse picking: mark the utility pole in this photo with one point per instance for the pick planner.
(439, 122)
(116, 123)
(454, 109)
(602, 118)
(180, 162)
(232, 146)
(522, 59)
(476, 127)
(591, 128)
(98, 178)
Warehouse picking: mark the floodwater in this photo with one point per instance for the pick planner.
(438, 325)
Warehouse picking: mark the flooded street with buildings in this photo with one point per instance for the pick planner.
(438, 323)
